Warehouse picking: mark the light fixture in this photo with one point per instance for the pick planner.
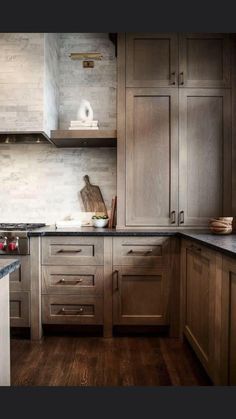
(86, 56)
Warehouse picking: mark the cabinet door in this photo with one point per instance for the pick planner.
(151, 59)
(204, 60)
(204, 155)
(228, 366)
(198, 276)
(140, 296)
(151, 157)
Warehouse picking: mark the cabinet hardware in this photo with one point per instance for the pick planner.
(173, 217)
(69, 251)
(139, 252)
(116, 275)
(181, 217)
(194, 248)
(71, 312)
(173, 78)
(181, 78)
(64, 282)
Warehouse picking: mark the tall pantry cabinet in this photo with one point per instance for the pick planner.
(174, 138)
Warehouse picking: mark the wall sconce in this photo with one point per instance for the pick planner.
(87, 58)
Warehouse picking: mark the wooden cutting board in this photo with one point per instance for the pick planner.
(92, 197)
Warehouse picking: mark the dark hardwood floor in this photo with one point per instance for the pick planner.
(94, 361)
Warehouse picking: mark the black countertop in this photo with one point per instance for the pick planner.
(92, 231)
(223, 243)
(7, 266)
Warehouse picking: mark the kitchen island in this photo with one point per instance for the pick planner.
(7, 266)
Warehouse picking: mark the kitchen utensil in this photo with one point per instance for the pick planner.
(92, 198)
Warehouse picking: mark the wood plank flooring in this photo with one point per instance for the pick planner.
(94, 361)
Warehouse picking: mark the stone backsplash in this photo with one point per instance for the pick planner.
(41, 183)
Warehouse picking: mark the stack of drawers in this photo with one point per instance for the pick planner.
(72, 280)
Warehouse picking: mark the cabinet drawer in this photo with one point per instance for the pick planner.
(72, 250)
(83, 280)
(71, 309)
(19, 309)
(20, 278)
(142, 251)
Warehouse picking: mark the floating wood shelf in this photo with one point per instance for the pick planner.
(84, 138)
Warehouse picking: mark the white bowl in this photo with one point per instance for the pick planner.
(100, 222)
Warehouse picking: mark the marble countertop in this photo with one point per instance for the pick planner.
(7, 266)
(222, 243)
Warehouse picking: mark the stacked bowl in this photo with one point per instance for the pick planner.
(221, 225)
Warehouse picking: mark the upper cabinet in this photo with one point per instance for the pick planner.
(204, 60)
(152, 60)
(174, 129)
(151, 156)
(172, 60)
(204, 155)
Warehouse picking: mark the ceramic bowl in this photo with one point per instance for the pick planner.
(100, 222)
(221, 225)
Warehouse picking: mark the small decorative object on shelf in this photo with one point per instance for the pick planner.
(100, 220)
(221, 225)
(85, 118)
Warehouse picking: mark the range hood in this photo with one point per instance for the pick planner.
(29, 90)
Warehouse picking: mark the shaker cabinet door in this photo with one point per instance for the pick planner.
(140, 296)
(204, 155)
(151, 60)
(228, 365)
(204, 60)
(151, 157)
(198, 301)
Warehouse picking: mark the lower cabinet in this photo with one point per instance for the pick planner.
(198, 301)
(228, 342)
(140, 296)
(72, 309)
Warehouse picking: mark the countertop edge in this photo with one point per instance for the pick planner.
(10, 266)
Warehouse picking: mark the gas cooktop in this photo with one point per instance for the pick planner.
(20, 226)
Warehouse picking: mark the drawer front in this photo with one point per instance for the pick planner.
(82, 280)
(72, 250)
(141, 251)
(71, 309)
(20, 279)
(19, 309)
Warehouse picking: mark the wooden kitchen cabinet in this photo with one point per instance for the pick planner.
(151, 157)
(140, 296)
(228, 341)
(198, 289)
(204, 60)
(151, 59)
(174, 140)
(204, 155)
